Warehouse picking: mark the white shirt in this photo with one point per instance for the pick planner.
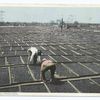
(33, 50)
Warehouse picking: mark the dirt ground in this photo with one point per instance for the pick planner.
(76, 52)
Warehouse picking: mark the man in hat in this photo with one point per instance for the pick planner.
(45, 66)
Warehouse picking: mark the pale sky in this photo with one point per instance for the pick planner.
(46, 14)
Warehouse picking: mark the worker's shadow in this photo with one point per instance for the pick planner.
(57, 81)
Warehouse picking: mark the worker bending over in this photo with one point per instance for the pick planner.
(34, 55)
(45, 66)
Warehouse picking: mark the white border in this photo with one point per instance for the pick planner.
(53, 1)
(50, 3)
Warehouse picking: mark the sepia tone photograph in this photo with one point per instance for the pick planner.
(49, 49)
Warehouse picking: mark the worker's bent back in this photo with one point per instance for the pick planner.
(45, 66)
